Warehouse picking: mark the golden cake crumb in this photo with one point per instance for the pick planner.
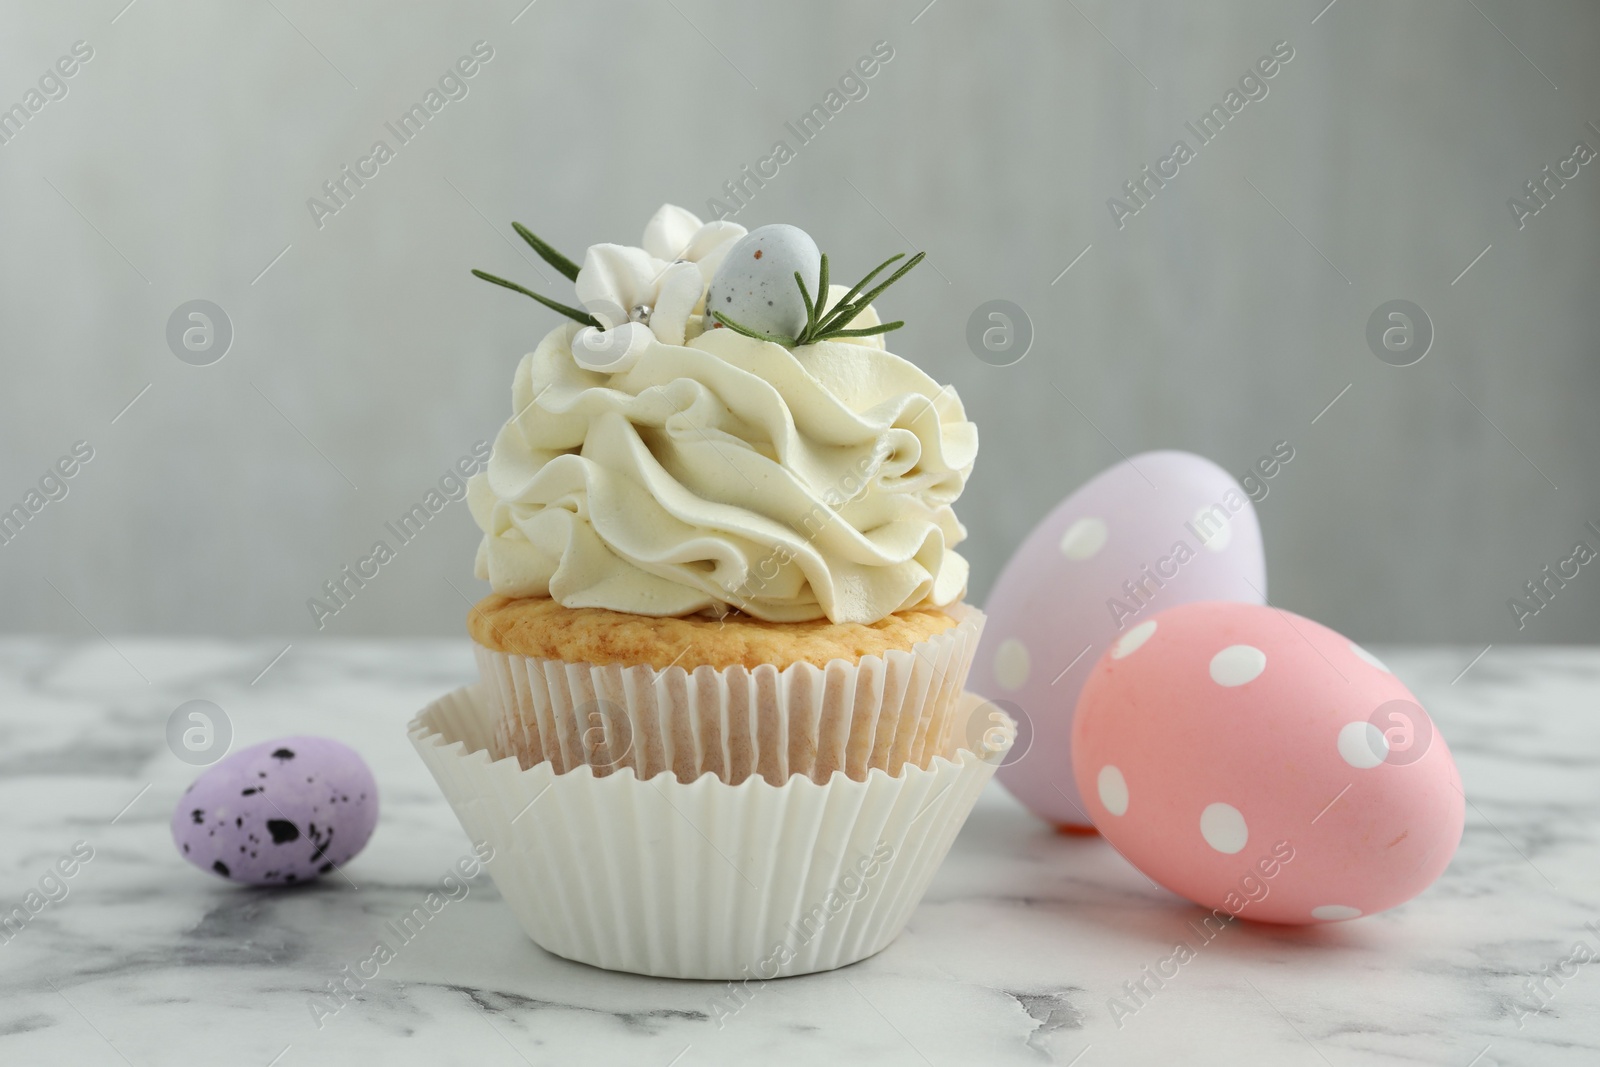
(541, 628)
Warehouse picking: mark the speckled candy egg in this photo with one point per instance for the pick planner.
(279, 812)
(1262, 765)
(755, 286)
(1160, 529)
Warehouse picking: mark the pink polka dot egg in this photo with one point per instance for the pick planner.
(1260, 764)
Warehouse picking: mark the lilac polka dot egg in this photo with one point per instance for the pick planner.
(1155, 531)
(278, 813)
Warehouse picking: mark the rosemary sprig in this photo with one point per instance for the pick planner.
(868, 331)
(826, 327)
(846, 310)
(547, 253)
(822, 285)
(811, 305)
(570, 312)
(556, 260)
(849, 298)
(777, 339)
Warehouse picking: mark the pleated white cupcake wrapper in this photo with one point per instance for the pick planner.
(883, 711)
(705, 879)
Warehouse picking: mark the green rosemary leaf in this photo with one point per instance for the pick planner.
(571, 313)
(896, 276)
(822, 286)
(546, 253)
(787, 342)
(811, 309)
(836, 317)
(866, 331)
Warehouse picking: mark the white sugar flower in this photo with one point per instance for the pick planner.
(661, 284)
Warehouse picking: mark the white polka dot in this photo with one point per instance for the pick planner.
(1011, 664)
(1362, 745)
(1369, 657)
(1113, 790)
(1213, 526)
(1131, 641)
(1237, 664)
(1083, 539)
(1223, 828)
(1335, 912)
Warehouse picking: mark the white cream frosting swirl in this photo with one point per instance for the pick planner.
(726, 473)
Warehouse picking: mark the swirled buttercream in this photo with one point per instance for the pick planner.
(727, 473)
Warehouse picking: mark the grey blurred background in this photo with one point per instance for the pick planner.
(1224, 317)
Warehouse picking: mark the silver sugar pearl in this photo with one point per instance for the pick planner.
(640, 314)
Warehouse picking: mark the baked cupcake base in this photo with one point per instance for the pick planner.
(733, 699)
(704, 879)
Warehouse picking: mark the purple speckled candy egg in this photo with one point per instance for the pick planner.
(1152, 532)
(278, 813)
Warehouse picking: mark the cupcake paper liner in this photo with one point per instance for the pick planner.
(704, 879)
(882, 712)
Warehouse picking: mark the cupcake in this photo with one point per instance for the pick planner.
(718, 524)
(721, 729)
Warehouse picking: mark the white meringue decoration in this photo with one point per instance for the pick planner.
(673, 234)
(669, 274)
(611, 351)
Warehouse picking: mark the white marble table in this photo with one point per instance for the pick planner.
(1011, 959)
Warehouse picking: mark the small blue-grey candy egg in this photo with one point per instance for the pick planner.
(754, 286)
